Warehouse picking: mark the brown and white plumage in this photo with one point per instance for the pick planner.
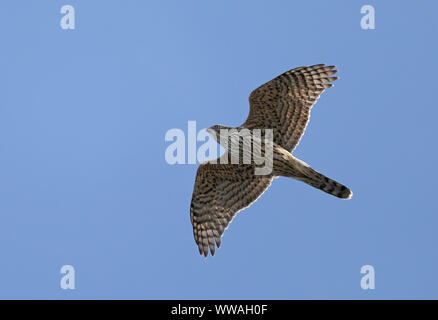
(283, 105)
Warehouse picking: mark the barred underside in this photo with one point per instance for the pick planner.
(222, 190)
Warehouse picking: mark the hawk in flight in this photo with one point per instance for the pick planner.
(282, 105)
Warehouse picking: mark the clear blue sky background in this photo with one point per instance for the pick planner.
(83, 179)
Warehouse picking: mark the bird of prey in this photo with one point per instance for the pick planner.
(223, 189)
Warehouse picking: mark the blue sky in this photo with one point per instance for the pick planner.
(84, 181)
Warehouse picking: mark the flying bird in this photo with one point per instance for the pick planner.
(222, 188)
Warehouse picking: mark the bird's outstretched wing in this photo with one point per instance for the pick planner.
(283, 104)
(221, 190)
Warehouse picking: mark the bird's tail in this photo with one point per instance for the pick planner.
(301, 171)
(320, 181)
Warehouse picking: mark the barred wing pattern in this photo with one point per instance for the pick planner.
(283, 104)
(220, 192)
